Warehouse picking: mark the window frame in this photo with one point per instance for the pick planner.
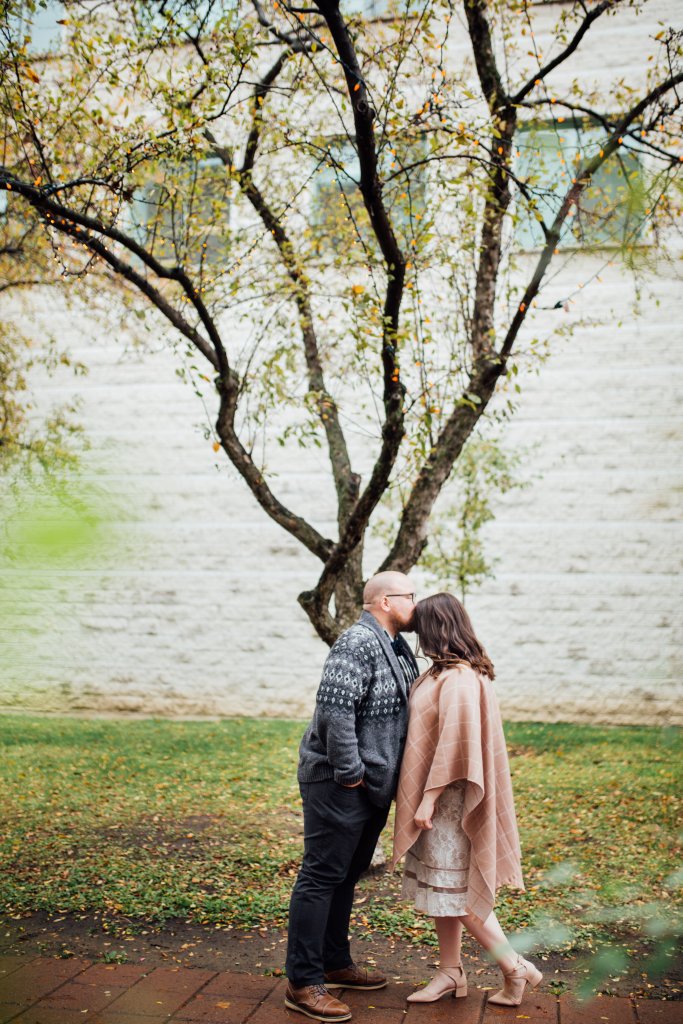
(568, 241)
(329, 179)
(143, 200)
(27, 26)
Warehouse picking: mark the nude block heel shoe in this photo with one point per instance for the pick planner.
(515, 983)
(446, 981)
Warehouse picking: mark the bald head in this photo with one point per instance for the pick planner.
(386, 583)
(390, 596)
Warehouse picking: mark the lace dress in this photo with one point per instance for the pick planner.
(437, 864)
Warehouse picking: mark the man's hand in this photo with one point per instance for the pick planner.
(425, 812)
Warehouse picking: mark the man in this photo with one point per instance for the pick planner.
(349, 761)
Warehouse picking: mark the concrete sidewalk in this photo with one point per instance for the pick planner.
(43, 990)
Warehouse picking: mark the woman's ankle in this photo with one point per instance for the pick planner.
(509, 962)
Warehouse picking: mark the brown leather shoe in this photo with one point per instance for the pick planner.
(354, 976)
(315, 1001)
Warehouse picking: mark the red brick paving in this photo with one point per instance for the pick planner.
(109, 1017)
(601, 1010)
(103, 974)
(47, 1015)
(448, 1010)
(243, 986)
(79, 998)
(41, 990)
(7, 1011)
(36, 978)
(367, 1016)
(11, 963)
(386, 1005)
(391, 997)
(653, 1012)
(151, 996)
(215, 1010)
(182, 979)
(537, 1007)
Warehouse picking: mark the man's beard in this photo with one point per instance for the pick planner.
(403, 627)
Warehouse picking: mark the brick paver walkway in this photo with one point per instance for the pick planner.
(50, 991)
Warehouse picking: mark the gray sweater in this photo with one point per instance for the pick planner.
(359, 726)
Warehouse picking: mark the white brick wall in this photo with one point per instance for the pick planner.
(194, 611)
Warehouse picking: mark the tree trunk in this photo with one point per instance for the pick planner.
(348, 593)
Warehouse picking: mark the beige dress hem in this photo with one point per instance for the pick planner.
(437, 864)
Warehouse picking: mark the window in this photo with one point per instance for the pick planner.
(181, 212)
(41, 26)
(184, 15)
(337, 201)
(378, 8)
(611, 208)
(368, 8)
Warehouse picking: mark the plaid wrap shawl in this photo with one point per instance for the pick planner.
(455, 732)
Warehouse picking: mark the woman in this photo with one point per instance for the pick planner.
(455, 814)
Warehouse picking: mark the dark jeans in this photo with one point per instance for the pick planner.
(341, 829)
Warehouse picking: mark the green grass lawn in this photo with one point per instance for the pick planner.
(154, 819)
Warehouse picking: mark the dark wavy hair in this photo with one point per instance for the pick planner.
(446, 635)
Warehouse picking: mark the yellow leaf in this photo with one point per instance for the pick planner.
(216, 445)
(30, 73)
(357, 289)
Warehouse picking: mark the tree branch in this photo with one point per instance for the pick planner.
(242, 461)
(81, 228)
(316, 601)
(607, 123)
(126, 271)
(499, 195)
(346, 481)
(411, 536)
(484, 57)
(543, 72)
(60, 216)
(583, 179)
(7, 285)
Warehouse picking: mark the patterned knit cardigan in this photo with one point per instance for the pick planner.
(360, 722)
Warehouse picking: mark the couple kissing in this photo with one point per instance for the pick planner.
(435, 742)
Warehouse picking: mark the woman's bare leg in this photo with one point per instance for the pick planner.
(450, 978)
(449, 931)
(491, 936)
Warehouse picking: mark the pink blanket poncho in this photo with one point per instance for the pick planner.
(455, 732)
